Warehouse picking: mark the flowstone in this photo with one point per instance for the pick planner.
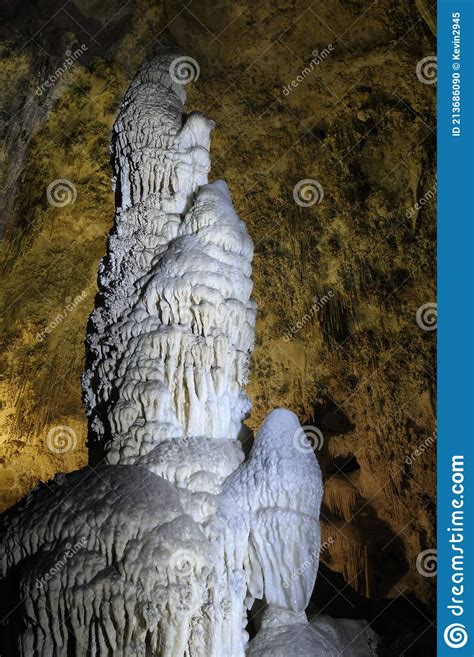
(161, 545)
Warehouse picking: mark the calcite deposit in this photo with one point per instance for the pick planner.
(171, 337)
(162, 544)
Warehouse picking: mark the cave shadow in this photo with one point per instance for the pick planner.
(403, 623)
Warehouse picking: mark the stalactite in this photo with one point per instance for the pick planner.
(341, 497)
(349, 549)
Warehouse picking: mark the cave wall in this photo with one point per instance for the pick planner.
(301, 91)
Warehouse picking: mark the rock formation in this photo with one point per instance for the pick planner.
(163, 543)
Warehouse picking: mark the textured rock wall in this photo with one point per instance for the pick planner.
(353, 361)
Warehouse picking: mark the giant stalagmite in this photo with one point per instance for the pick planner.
(162, 543)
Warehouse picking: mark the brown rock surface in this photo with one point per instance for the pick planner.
(338, 283)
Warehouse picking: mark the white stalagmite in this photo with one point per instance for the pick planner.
(161, 545)
(171, 337)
